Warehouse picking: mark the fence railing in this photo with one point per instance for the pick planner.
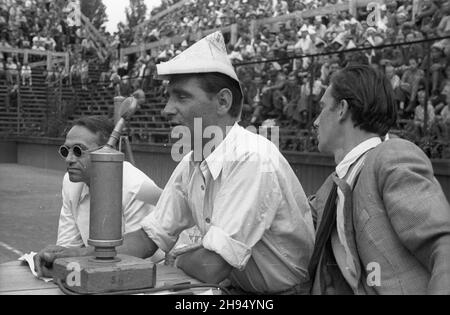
(50, 56)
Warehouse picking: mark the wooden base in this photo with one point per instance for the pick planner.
(84, 275)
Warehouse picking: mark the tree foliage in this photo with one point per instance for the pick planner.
(136, 12)
(95, 11)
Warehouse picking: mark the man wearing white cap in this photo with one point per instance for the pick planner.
(304, 43)
(243, 196)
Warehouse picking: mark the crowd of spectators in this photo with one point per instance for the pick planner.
(47, 26)
(278, 88)
(286, 91)
(273, 84)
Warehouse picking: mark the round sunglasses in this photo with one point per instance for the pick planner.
(77, 150)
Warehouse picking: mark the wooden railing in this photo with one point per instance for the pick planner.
(101, 45)
(52, 57)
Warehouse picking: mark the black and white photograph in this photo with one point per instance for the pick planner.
(224, 153)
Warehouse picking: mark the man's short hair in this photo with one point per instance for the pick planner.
(100, 125)
(369, 95)
(213, 82)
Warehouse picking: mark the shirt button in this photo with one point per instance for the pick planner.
(202, 187)
(208, 220)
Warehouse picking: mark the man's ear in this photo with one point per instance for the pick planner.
(344, 110)
(224, 101)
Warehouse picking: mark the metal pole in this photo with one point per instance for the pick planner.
(310, 96)
(427, 85)
(19, 105)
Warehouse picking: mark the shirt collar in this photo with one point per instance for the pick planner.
(217, 158)
(351, 157)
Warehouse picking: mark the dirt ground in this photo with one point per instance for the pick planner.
(30, 202)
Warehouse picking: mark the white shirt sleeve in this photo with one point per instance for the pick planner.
(243, 210)
(172, 213)
(68, 232)
(134, 210)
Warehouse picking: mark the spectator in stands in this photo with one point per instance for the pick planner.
(137, 73)
(52, 75)
(105, 76)
(63, 74)
(84, 74)
(26, 74)
(150, 70)
(394, 79)
(272, 99)
(2, 68)
(87, 48)
(304, 43)
(12, 97)
(443, 29)
(292, 105)
(419, 112)
(12, 71)
(39, 41)
(3, 20)
(426, 10)
(125, 86)
(122, 70)
(437, 64)
(75, 71)
(319, 27)
(445, 113)
(4, 44)
(254, 94)
(410, 83)
(49, 42)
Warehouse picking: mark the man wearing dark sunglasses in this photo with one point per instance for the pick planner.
(89, 134)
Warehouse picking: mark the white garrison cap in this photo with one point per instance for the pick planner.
(207, 55)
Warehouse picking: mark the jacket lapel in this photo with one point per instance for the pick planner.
(349, 227)
(318, 201)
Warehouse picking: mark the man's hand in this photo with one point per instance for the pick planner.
(43, 261)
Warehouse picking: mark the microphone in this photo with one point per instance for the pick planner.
(128, 107)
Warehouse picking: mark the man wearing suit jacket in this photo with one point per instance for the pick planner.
(382, 220)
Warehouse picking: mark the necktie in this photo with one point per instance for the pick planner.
(324, 230)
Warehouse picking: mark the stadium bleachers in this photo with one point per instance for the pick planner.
(44, 106)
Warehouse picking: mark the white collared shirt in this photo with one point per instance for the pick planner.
(347, 169)
(249, 207)
(73, 228)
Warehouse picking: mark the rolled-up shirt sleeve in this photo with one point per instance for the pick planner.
(243, 210)
(171, 215)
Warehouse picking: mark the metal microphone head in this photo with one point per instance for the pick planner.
(140, 96)
(128, 107)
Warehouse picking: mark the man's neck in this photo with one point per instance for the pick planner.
(224, 126)
(351, 140)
